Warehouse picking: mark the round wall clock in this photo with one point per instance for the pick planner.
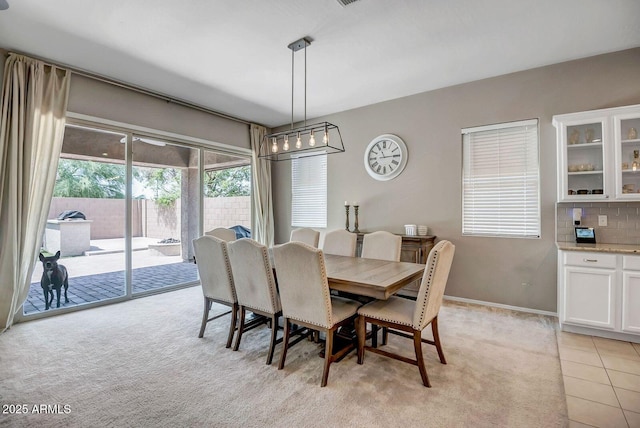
(385, 157)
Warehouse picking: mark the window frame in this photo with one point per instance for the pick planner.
(530, 210)
(314, 216)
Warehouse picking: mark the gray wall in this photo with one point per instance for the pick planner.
(99, 99)
(429, 190)
(102, 100)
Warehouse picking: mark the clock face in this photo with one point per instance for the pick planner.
(385, 157)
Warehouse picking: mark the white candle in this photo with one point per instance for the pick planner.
(346, 203)
(355, 204)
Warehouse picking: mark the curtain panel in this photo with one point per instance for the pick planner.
(262, 218)
(34, 104)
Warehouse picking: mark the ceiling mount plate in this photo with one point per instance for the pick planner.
(299, 44)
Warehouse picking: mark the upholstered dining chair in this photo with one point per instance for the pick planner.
(381, 245)
(340, 242)
(407, 318)
(216, 280)
(222, 233)
(255, 286)
(306, 301)
(306, 235)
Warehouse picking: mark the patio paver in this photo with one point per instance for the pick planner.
(102, 286)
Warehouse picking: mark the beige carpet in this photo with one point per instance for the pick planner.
(141, 364)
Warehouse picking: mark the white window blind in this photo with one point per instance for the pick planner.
(309, 191)
(500, 180)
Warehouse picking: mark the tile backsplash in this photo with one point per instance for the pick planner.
(623, 221)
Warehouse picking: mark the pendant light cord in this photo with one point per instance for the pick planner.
(305, 84)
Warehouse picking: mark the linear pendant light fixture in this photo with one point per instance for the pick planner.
(307, 140)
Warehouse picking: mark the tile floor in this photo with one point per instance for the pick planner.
(601, 380)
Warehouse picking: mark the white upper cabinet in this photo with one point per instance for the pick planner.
(627, 152)
(596, 154)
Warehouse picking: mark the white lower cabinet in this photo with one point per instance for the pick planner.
(631, 295)
(589, 297)
(599, 291)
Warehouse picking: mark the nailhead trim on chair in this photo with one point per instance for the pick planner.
(327, 294)
(229, 274)
(432, 267)
(378, 317)
(272, 286)
(325, 290)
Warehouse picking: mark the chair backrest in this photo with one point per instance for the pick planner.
(433, 284)
(306, 235)
(222, 233)
(340, 242)
(253, 275)
(214, 268)
(382, 245)
(303, 285)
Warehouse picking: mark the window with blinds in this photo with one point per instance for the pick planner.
(500, 180)
(309, 191)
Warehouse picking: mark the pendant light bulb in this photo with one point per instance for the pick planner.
(325, 139)
(274, 145)
(312, 140)
(285, 146)
(298, 142)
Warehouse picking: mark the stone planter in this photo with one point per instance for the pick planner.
(172, 249)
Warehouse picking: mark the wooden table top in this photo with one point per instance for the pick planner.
(370, 277)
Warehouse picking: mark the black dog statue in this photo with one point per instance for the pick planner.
(53, 278)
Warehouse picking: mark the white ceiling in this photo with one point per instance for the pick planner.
(232, 56)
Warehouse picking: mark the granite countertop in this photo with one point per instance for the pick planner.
(600, 247)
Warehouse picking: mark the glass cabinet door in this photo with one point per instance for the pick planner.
(627, 156)
(585, 161)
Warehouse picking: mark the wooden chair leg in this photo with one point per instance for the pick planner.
(232, 326)
(328, 356)
(374, 336)
(285, 343)
(436, 339)
(205, 316)
(417, 344)
(361, 332)
(385, 335)
(240, 328)
(274, 334)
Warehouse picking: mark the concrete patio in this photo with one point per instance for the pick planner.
(99, 275)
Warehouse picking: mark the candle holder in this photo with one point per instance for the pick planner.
(346, 208)
(355, 228)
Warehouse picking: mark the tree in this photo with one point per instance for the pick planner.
(163, 182)
(228, 182)
(88, 179)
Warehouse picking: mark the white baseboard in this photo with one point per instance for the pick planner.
(626, 337)
(500, 305)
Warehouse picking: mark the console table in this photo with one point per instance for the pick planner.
(415, 249)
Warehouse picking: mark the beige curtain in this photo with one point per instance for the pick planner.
(34, 104)
(262, 218)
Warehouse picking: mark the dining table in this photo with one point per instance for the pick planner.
(373, 278)
(366, 280)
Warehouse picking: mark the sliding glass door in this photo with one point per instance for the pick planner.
(86, 221)
(164, 217)
(125, 210)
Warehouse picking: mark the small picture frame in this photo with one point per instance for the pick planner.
(585, 235)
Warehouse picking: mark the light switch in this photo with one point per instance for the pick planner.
(602, 220)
